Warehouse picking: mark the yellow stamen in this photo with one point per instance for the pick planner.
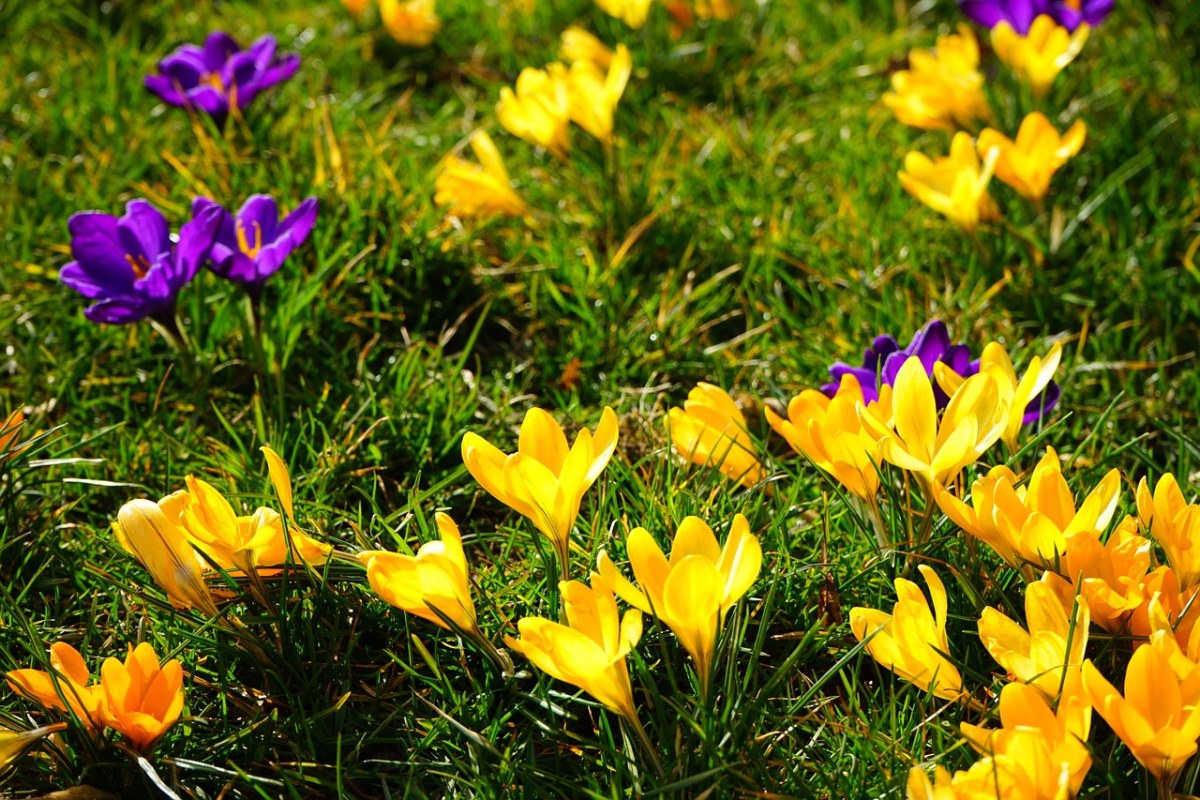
(1075, 5)
(244, 245)
(213, 79)
(139, 264)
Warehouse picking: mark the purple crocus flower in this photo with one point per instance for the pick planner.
(253, 243)
(1020, 14)
(883, 359)
(131, 265)
(220, 74)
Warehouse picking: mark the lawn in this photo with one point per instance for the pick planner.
(744, 226)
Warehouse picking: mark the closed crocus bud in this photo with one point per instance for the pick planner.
(66, 686)
(1042, 53)
(14, 743)
(1028, 163)
(693, 590)
(590, 650)
(432, 585)
(911, 641)
(141, 698)
(539, 110)
(594, 94)
(711, 430)
(163, 547)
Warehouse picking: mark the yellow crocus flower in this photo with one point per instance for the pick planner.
(478, 190)
(937, 451)
(1025, 771)
(1031, 523)
(594, 94)
(911, 640)
(163, 547)
(1028, 164)
(68, 685)
(829, 432)
(1174, 524)
(539, 111)
(1042, 53)
(942, 88)
(580, 45)
(1158, 717)
(14, 743)
(1110, 577)
(410, 22)
(693, 590)
(433, 585)
(590, 650)
(141, 698)
(1055, 641)
(1027, 399)
(1025, 711)
(545, 479)
(711, 430)
(955, 185)
(632, 12)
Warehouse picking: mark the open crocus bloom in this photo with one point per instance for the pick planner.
(478, 190)
(954, 185)
(252, 244)
(545, 479)
(1042, 53)
(1028, 163)
(1055, 641)
(539, 110)
(1113, 578)
(432, 585)
(67, 686)
(129, 264)
(590, 650)
(1158, 717)
(942, 88)
(692, 591)
(220, 75)
(911, 640)
(711, 430)
(141, 698)
(1020, 14)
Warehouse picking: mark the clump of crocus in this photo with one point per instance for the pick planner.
(954, 185)
(693, 590)
(1020, 14)
(131, 266)
(1028, 164)
(539, 110)
(942, 88)
(632, 12)
(252, 244)
(711, 430)
(1158, 716)
(937, 450)
(1030, 524)
(1028, 399)
(410, 22)
(884, 358)
(545, 479)
(594, 93)
(1039, 55)
(220, 76)
(480, 190)
(911, 641)
(1054, 643)
(140, 698)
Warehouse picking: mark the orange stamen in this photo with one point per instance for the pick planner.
(244, 245)
(139, 264)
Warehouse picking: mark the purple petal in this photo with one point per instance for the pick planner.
(891, 368)
(1042, 404)
(881, 347)
(271, 257)
(301, 221)
(958, 358)
(209, 100)
(259, 210)
(262, 51)
(219, 47)
(280, 71)
(99, 254)
(929, 344)
(79, 279)
(166, 90)
(195, 242)
(144, 231)
(182, 70)
(118, 310)
(160, 285)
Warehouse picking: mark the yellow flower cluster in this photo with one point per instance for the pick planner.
(943, 89)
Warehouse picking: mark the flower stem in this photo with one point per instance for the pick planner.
(643, 739)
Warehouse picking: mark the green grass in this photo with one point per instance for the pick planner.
(749, 232)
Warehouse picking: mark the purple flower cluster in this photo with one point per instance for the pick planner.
(1020, 14)
(220, 75)
(134, 268)
(883, 359)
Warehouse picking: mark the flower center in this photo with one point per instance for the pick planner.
(213, 79)
(1075, 5)
(244, 244)
(139, 264)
